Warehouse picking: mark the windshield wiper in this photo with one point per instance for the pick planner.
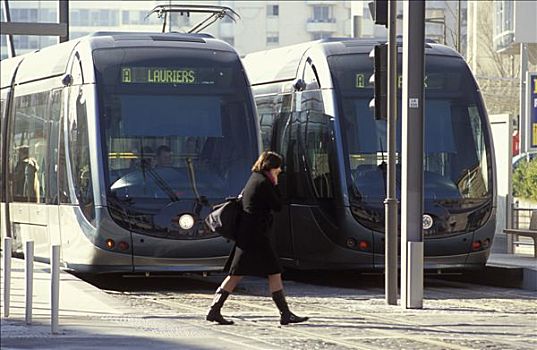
(162, 184)
(200, 200)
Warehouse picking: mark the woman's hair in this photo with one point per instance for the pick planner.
(267, 160)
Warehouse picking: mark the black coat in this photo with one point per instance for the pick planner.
(254, 253)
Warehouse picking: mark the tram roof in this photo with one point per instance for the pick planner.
(281, 64)
(53, 60)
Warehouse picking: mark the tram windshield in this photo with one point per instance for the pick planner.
(176, 127)
(456, 157)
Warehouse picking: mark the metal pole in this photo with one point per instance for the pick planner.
(412, 155)
(7, 274)
(523, 122)
(64, 17)
(459, 26)
(7, 17)
(55, 287)
(390, 255)
(29, 272)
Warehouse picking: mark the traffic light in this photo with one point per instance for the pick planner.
(379, 11)
(379, 79)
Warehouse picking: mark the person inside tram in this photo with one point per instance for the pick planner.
(164, 157)
(254, 253)
(26, 176)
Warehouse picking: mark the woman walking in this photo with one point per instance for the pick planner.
(254, 253)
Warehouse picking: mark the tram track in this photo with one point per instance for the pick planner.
(330, 339)
(395, 326)
(407, 323)
(293, 332)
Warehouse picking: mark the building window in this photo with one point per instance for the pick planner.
(321, 14)
(503, 30)
(125, 17)
(273, 10)
(273, 39)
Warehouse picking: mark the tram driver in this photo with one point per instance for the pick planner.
(164, 157)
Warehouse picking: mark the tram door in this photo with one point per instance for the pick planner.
(274, 120)
(55, 115)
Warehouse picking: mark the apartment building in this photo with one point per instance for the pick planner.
(263, 24)
(445, 22)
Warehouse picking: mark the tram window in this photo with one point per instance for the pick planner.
(316, 134)
(288, 127)
(55, 111)
(265, 110)
(29, 147)
(63, 185)
(176, 116)
(79, 151)
(310, 77)
(265, 126)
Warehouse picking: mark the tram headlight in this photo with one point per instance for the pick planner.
(427, 221)
(186, 221)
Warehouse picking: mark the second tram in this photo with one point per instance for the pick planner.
(313, 108)
(115, 146)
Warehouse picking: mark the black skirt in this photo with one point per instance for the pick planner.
(254, 253)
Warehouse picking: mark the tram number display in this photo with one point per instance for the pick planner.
(175, 76)
(433, 81)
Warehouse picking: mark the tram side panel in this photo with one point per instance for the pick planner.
(4, 93)
(86, 228)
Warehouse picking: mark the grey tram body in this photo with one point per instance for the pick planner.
(64, 222)
(323, 230)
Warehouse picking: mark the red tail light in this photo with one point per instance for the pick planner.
(476, 245)
(123, 245)
(363, 245)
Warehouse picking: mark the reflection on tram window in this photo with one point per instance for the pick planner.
(193, 137)
(29, 159)
(79, 152)
(455, 161)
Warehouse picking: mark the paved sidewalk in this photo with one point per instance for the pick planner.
(342, 318)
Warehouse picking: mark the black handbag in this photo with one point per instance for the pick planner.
(224, 219)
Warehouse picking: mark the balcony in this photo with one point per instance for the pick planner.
(321, 25)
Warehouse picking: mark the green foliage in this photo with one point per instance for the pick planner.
(525, 180)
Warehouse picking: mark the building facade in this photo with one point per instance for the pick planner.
(445, 22)
(263, 24)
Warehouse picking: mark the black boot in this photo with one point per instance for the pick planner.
(214, 314)
(286, 315)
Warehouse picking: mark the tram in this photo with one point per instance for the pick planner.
(313, 108)
(116, 145)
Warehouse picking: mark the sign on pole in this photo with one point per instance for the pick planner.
(532, 109)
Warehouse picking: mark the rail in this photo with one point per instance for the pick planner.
(524, 225)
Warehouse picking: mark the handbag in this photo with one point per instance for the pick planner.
(224, 219)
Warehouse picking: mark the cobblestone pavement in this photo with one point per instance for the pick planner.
(454, 316)
(168, 313)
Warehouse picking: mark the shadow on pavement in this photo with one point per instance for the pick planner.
(17, 335)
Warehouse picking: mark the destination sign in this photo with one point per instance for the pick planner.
(175, 75)
(158, 75)
(430, 81)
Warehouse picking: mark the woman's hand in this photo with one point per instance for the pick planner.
(275, 173)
